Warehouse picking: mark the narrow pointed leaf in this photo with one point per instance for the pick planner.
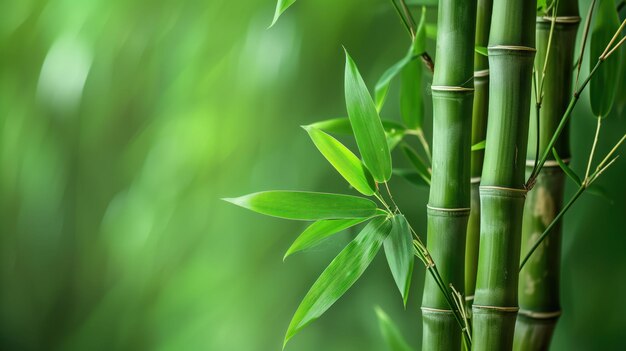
(411, 98)
(603, 85)
(479, 145)
(342, 126)
(344, 161)
(411, 92)
(417, 162)
(340, 274)
(320, 230)
(281, 6)
(431, 31)
(391, 333)
(570, 172)
(399, 252)
(394, 138)
(382, 86)
(419, 42)
(366, 124)
(412, 177)
(304, 205)
(597, 190)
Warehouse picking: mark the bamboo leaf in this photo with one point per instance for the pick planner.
(340, 274)
(431, 31)
(382, 86)
(399, 252)
(394, 138)
(419, 42)
(479, 145)
(597, 190)
(344, 161)
(391, 333)
(342, 126)
(603, 85)
(304, 205)
(281, 6)
(411, 98)
(320, 230)
(481, 50)
(411, 177)
(417, 162)
(366, 124)
(570, 172)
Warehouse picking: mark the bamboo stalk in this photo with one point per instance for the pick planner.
(539, 280)
(449, 201)
(502, 190)
(479, 132)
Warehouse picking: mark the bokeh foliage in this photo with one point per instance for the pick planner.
(123, 122)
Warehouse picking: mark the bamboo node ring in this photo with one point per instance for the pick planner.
(481, 73)
(548, 163)
(475, 180)
(512, 48)
(540, 315)
(435, 310)
(560, 19)
(496, 308)
(450, 88)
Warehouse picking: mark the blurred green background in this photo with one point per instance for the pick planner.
(122, 124)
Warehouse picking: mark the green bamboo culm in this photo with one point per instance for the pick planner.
(539, 279)
(479, 132)
(449, 201)
(502, 190)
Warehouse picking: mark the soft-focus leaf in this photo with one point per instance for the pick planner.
(344, 161)
(399, 252)
(603, 85)
(304, 205)
(318, 231)
(391, 333)
(419, 42)
(431, 31)
(382, 86)
(417, 162)
(366, 124)
(481, 50)
(394, 138)
(281, 6)
(412, 177)
(411, 95)
(340, 274)
(342, 126)
(597, 190)
(541, 6)
(570, 172)
(479, 145)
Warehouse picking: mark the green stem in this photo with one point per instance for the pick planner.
(502, 191)
(479, 133)
(539, 283)
(449, 200)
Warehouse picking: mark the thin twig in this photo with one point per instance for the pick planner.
(593, 147)
(584, 42)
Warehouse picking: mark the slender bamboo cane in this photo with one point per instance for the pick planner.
(449, 202)
(502, 190)
(479, 132)
(539, 280)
